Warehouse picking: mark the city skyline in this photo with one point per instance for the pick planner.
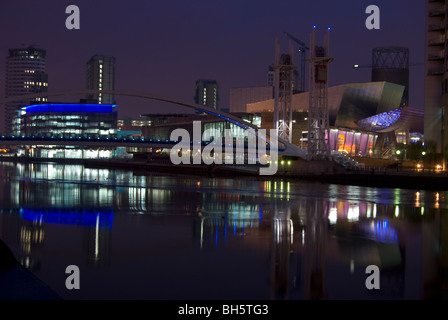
(151, 135)
(163, 48)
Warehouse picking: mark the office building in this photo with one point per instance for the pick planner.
(64, 120)
(101, 76)
(25, 74)
(207, 93)
(436, 76)
(67, 121)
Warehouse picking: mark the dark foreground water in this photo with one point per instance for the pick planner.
(178, 237)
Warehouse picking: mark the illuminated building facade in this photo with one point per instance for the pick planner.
(68, 121)
(163, 124)
(25, 74)
(363, 116)
(207, 93)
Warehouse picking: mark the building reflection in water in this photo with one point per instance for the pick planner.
(305, 237)
(30, 230)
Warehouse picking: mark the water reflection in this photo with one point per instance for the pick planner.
(270, 239)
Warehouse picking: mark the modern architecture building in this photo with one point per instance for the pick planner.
(363, 118)
(436, 76)
(25, 74)
(207, 93)
(101, 76)
(67, 121)
(129, 127)
(162, 126)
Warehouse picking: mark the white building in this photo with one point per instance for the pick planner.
(25, 74)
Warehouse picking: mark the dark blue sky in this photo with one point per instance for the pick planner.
(163, 47)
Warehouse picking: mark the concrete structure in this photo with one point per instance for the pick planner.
(436, 76)
(25, 74)
(241, 97)
(101, 76)
(207, 93)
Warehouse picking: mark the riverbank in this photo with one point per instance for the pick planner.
(320, 171)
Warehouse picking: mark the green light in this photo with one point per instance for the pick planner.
(398, 152)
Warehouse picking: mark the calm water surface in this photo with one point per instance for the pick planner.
(136, 236)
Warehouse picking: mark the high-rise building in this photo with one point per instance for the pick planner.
(436, 76)
(25, 74)
(101, 76)
(207, 93)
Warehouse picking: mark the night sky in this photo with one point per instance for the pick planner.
(162, 47)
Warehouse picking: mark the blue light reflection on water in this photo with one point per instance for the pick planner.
(100, 217)
(153, 220)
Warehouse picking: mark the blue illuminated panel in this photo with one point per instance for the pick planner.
(380, 121)
(102, 218)
(73, 108)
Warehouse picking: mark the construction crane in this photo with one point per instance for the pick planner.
(303, 47)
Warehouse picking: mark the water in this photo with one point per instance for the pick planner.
(136, 236)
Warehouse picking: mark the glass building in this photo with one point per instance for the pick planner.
(67, 121)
